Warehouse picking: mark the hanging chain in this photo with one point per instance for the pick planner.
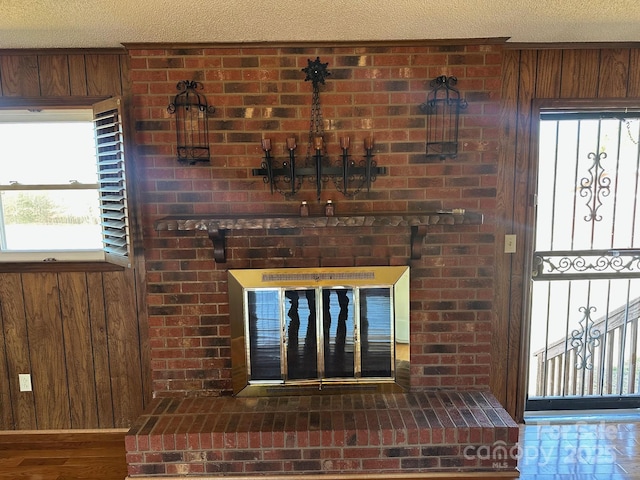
(316, 124)
(316, 72)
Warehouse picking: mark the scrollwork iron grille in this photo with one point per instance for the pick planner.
(585, 339)
(595, 186)
(586, 264)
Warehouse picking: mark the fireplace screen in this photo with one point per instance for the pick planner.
(322, 329)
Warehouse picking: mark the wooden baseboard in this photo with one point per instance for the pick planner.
(35, 437)
(70, 431)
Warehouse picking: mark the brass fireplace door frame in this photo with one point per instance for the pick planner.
(396, 278)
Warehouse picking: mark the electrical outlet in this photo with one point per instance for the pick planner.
(25, 382)
(509, 244)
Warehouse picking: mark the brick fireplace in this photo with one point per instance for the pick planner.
(195, 426)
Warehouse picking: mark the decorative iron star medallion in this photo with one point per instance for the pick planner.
(316, 72)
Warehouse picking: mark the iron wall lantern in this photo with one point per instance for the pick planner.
(442, 108)
(192, 127)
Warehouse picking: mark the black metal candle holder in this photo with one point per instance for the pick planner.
(349, 177)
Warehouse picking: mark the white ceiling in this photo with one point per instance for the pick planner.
(110, 23)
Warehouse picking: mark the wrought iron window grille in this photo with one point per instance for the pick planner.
(192, 126)
(442, 108)
(595, 187)
(349, 177)
(585, 339)
(585, 264)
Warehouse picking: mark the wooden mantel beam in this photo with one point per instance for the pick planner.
(217, 226)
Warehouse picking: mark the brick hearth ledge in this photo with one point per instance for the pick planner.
(372, 436)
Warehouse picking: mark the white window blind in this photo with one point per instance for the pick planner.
(110, 155)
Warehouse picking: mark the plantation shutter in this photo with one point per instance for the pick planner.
(110, 155)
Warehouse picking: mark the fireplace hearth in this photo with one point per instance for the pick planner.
(350, 436)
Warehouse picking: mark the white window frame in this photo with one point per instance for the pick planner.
(111, 183)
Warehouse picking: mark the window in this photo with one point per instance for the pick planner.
(585, 294)
(62, 184)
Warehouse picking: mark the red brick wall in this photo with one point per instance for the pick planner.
(260, 91)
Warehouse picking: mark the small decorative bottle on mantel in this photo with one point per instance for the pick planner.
(329, 209)
(304, 209)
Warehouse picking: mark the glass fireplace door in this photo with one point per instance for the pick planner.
(265, 325)
(301, 336)
(338, 333)
(319, 334)
(299, 331)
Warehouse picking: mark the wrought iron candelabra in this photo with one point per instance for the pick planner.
(350, 177)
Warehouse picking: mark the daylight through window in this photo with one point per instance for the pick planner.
(49, 205)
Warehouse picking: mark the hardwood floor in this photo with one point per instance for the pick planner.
(553, 448)
(584, 446)
(64, 456)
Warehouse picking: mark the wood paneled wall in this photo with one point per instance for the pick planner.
(79, 330)
(529, 75)
(76, 334)
(37, 74)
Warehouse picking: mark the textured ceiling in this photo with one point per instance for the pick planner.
(110, 23)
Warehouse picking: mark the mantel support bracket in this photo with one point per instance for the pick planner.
(418, 232)
(218, 239)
